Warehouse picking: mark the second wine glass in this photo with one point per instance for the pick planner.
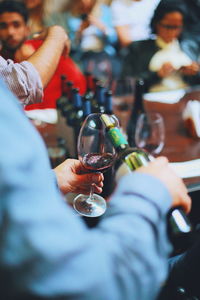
(150, 132)
(96, 153)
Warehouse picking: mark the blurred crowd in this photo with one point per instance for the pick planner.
(135, 38)
(46, 251)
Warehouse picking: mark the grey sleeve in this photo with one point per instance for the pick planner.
(45, 248)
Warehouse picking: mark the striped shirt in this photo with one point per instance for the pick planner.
(23, 80)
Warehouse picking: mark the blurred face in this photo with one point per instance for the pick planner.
(170, 27)
(30, 4)
(13, 30)
(85, 6)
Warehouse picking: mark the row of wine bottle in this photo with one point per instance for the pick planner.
(75, 108)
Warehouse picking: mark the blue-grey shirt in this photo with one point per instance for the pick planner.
(47, 250)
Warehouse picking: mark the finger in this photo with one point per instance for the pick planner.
(185, 203)
(89, 178)
(184, 199)
(86, 191)
(162, 159)
(87, 185)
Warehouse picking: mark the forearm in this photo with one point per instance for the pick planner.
(138, 214)
(123, 33)
(23, 80)
(46, 58)
(127, 252)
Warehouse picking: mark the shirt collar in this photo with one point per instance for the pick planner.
(163, 45)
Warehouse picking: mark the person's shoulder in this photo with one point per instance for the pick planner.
(142, 44)
(2, 61)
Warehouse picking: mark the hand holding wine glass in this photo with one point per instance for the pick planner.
(96, 153)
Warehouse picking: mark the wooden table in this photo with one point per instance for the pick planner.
(179, 145)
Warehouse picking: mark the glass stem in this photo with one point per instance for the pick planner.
(91, 197)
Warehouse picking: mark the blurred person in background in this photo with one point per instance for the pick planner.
(193, 19)
(92, 35)
(44, 13)
(46, 248)
(28, 78)
(13, 35)
(166, 62)
(131, 19)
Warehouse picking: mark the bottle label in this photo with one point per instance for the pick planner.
(117, 137)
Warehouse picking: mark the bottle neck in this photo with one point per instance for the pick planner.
(86, 108)
(138, 97)
(63, 85)
(133, 157)
(89, 82)
(77, 100)
(108, 103)
(117, 139)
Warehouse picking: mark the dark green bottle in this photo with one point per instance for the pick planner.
(137, 110)
(131, 159)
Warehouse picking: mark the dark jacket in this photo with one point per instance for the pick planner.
(139, 54)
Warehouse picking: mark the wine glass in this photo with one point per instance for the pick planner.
(96, 153)
(150, 132)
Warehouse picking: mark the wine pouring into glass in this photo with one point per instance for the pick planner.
(96, 153)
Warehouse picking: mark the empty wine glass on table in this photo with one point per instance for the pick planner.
(97, 154)
(150, 132)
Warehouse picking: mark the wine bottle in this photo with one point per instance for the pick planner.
(98, 106)
(89, 82)
(134, 158)
(60, 103)
(138, 108)
(76, 114)
(108, 102)
(68, 107)
(63, 78)
(87, 109)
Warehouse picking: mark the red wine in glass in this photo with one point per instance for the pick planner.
(98, 162)
(97, 154)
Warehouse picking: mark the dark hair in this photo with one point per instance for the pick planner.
(165, 8)
(14, 6)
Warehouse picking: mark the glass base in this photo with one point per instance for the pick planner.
(85, 207)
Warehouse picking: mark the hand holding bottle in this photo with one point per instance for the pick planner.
(160, 169)
(134, 158)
